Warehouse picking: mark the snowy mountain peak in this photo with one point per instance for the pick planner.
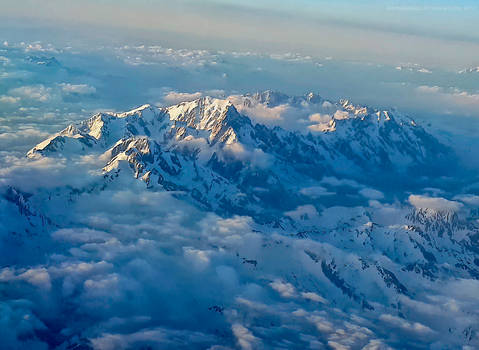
(270, 98)
(135, 111)
(219, 117)
(357, 111)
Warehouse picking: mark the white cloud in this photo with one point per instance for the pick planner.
(286, 290)
(337, 346)
(79, 89)
(335, 182)
(38, 46)
(316, 191)
(414, 327)
(9, 99)
(16, 139)
(255, 157)
(469, 199)
(314, 297)
(246, 339)
(264, 114)
(320, 118)
(376, 344)
(452, 99)
(324, 122)
(371, 193)
(237, 225)
(200, 259)
(4, 60)
(157, 338)
(260, 113)
(33, 92)
(321, 127)
(321, 323)
(104, 286)
(434, 203)
(157, 55)
(304, 213)
(339, 115)
(38, 277)
(81, 235)
(428, 89)
(173, 97)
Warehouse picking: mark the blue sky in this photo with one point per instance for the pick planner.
(438, 33)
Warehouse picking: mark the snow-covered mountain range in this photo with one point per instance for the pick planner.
(225, 162)
(313, 235)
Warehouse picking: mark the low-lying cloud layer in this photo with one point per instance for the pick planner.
(137, 268)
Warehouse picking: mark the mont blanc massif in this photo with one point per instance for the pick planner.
(196, 226)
